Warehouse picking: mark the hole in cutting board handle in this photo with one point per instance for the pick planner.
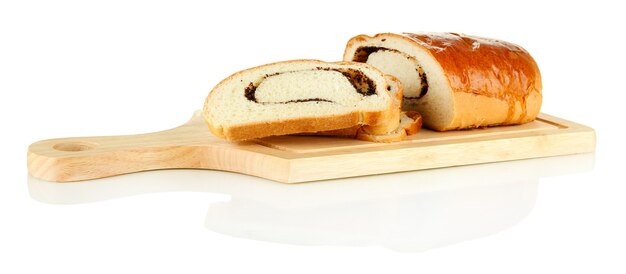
(74, 146)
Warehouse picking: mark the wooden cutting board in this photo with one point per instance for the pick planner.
(293, 159)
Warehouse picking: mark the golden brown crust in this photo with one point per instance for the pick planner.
(496, 111)
(391, 121)
(341, 123)
(396, 135)
(493, 82)
(285, 127)
(413, 128)
(482, 66)
(486, 67)
(293, 126)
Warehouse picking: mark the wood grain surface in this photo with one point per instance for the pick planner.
(293, 159)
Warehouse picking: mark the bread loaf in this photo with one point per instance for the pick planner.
(301, 96)
(456, 81)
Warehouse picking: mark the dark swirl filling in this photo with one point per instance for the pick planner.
(361, 83)
(362, 54)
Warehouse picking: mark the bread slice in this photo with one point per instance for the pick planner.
(300, 96)
(410, 123)
(456, 81)
(396, 91)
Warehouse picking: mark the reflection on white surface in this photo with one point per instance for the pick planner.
(409, 211)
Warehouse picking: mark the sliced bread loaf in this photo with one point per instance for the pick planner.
(456, 81)
(301, 96)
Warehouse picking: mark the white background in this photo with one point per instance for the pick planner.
(80, 68)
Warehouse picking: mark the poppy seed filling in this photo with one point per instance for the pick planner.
(362, 55)
(361, 83)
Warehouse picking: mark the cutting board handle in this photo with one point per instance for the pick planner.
(83, 158)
